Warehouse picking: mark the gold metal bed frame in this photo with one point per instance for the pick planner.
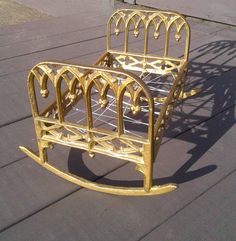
(123, 90)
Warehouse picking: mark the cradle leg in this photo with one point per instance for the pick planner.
(42, 151)
(148, 168)
(186, 94)
(148, 179)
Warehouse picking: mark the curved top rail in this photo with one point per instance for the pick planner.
(135, 17)
(53, 70)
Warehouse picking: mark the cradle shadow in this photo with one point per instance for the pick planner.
(217, 98)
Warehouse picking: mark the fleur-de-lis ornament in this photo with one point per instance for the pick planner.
(103, 102)
(156, 35)
(135, 109)
(44, 93)
(177, 37)
(72, 97)
(117, 31)
(136, 32)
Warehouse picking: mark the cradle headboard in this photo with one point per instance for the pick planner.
(170, 26)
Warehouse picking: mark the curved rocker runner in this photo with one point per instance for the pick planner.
(118, 107)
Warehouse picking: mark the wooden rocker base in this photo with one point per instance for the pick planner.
(117, 190)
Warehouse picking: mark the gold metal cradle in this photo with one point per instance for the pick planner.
(102, 108)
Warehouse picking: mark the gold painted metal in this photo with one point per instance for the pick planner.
(112, 73)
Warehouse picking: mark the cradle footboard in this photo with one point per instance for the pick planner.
(71, 120)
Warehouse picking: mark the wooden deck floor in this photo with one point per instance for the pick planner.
(198, 151)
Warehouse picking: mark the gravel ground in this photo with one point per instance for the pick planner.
(13, 13)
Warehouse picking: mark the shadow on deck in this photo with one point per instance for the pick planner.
(190, 124)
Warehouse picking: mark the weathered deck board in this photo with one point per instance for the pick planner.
(54, 42)
(114, 217)
(214, 11)
(14, 135)
(209, 217)
(26, 188)
(26, 177)
(37, 205)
